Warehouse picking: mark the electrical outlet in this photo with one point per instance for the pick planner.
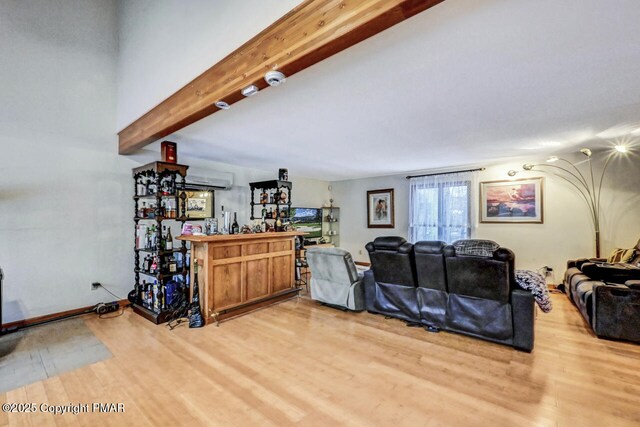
(95, 285)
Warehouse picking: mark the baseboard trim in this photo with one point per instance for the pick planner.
(53, 316)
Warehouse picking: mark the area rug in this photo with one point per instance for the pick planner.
(40, 352)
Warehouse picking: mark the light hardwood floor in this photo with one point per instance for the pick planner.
(298, 363)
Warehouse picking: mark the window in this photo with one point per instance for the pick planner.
(441, 208)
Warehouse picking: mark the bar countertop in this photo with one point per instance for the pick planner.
(232, 237)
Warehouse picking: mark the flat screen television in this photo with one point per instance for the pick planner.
(307, 220)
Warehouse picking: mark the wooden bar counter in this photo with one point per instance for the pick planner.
(241, 272)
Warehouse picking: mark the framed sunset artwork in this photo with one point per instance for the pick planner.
(516, 201)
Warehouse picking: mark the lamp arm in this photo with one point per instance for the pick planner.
(584, 183)
(581, 178)
(587, 199)
(593, 196)
(604, 169)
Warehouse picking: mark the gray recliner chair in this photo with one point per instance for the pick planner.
(334, 278)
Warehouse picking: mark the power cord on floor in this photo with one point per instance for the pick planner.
(104, 316)
(107, 289)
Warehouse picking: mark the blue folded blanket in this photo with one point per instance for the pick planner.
(535, 283)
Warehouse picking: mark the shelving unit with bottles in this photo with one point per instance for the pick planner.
(159, 199)
(274, 197)
(331, 225)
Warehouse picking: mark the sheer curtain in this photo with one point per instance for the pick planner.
(441, 207)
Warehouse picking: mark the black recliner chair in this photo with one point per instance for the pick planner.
(392, 293)
(432, 291)
(485, 300)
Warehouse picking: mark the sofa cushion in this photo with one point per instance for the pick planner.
(475, 247)
(621, 255)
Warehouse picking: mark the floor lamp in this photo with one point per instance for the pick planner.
(586, 183)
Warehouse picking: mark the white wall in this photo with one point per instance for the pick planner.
(63, 186)
(166, 44)
(65, 193)
(567, 232)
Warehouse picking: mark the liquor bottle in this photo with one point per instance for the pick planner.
(142, 212)
(147, 187)
(173, 265)
(235, 227)
(278, 224)
(163, 238)
(161, 297)
(168, 243)
(154, 265)
(147, 296)
(270, 213)
(147, 238)
(263, 225)
(264, 211)
(155, 296)
(141, 292)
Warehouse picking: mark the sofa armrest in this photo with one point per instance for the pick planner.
(369, 290)
(581, 261)
(633, 284)
(613, 273)
(523, 314)
(616, 312)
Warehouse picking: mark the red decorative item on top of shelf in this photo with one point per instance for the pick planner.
(169, 151)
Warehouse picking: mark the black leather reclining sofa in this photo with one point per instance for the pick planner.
(607, 295)
(428, 283)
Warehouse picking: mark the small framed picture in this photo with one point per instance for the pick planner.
(380, 209)
(517, 201)
(199, 204)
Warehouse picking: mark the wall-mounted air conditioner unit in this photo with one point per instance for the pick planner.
(213, 180)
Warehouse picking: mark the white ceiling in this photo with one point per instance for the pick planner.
(466, 82)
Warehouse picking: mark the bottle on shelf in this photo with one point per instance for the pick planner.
(147, 238)
(147, 187)
(142, 211)
(163, 238)
(264, 212)
(141, 292)
(173, 265)
(168, 244)
(156, 306)
(235, 228)
(278, 224)
(153, 269)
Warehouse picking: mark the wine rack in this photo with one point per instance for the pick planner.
(282, 205)
(165, 184)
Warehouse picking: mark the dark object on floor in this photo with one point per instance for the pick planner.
(107, 307)
(195, 316)
(611, 308)
(447, 287)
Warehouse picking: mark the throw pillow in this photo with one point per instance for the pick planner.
(475, 247)
(621, 255)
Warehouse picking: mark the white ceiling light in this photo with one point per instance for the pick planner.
(275, 78)
(222, 105)
(250, 90)
(621, 148)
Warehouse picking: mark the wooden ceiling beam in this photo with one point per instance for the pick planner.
(309, 33)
